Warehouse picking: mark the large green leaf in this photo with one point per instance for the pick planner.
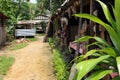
(86, 38)
(83, 39)
(102, 41)
(110, 51)
(86, 66)
(99, 74)
(89, 53)
(97, 44)
(118, 63)
(117, 14)
(107, 14)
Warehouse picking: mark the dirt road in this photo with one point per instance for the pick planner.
(33, 62)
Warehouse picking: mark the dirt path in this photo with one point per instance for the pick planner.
(33, 62)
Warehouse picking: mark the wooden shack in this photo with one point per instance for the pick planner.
(26, 28)
(2, 29)
(75, 27)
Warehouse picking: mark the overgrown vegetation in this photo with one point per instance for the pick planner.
(5, 63)
(106, 59)
(60, 66)
(17, 10)
(49, 5)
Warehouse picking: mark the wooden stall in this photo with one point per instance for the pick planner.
(2, 29)
(26, 28)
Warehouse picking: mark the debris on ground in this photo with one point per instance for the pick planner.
(22, 40)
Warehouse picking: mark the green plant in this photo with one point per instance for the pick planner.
(5, 63)
(51, 42)
(18, 46)
(60, 66)
(107, 55)
(32, 39)
(41, 34)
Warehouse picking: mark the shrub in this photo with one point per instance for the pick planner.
(60, 66)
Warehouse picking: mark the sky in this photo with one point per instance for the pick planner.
(33, 1)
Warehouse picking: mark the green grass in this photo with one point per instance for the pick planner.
(5, 63)
(60, 66)
(32, 39)
(41, 34)
(18, 46)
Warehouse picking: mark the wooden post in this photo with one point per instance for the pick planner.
(79, 28)
(91, 12)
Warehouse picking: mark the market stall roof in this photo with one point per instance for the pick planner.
(68, 3)
(41, 17)
(29, 22)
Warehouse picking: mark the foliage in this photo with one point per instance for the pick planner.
(5, 63)
(16, 10)
(51, 42)
(60, 66)
(41, 34)
(56, 4)
(43, 24)
(44, 5)
(18, 46)
(107, 55)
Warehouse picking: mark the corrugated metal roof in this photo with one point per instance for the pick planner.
(31, 21)
(41, 17)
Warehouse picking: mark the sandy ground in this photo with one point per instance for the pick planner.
(33, 62)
